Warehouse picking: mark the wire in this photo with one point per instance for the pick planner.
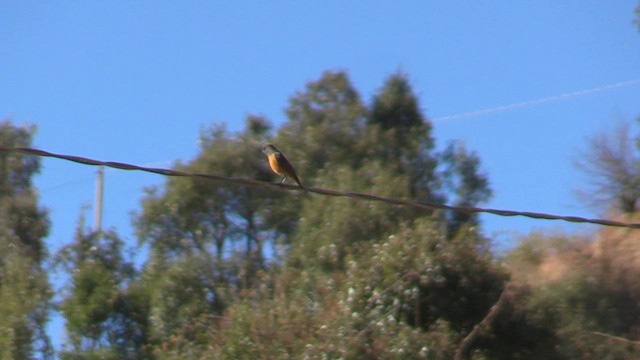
(90, 179)
(328, 192)
(538, 101)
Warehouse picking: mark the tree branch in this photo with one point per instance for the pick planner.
(615, 338)
(483, 325)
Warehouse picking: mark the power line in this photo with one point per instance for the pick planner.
(328, 192)
(538, 101)
(88, 179)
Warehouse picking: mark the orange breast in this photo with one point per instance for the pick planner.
(274, 164)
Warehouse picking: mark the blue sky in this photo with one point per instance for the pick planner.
(137, 81)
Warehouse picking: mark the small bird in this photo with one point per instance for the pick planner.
(280, 165)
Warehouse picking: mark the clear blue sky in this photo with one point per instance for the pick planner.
(135, 81)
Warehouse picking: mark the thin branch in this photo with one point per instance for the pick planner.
(615, 338)
(483, 325)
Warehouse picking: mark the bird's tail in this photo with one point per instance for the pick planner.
(300, 183)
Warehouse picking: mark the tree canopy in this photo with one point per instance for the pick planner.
(236, 272)
(24, 288)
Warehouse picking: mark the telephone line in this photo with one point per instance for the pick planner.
(537, 101)
(327, 192)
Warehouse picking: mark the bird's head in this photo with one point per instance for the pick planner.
(269, 149)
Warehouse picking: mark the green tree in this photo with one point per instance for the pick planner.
(214, 295)
(206, 239)
(392, 154)
(325, 122)
(400, 137)
(24, 289)
(343, 250)
(463, 179)
(339, 146)
(101, 306)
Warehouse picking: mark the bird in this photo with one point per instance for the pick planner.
(280, 165)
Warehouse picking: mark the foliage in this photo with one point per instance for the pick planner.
(403, 296)
(237, 272)
(590, 303)
(24, 288)
(208, 277)
(464, 178)
(101, 305)
(207, 240)
(400, 136)
(24, 295)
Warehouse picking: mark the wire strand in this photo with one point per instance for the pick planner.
(538, 101)
(327, 192)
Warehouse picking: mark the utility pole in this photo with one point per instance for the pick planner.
(98, 205)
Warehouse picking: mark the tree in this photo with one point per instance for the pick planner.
(400, 137)
(24, 287)
(395, 144)
(612, 164)
(351, 285)
(101, 306)
(464, 179)
(207, 239)
(325, 122)
(213, 290)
